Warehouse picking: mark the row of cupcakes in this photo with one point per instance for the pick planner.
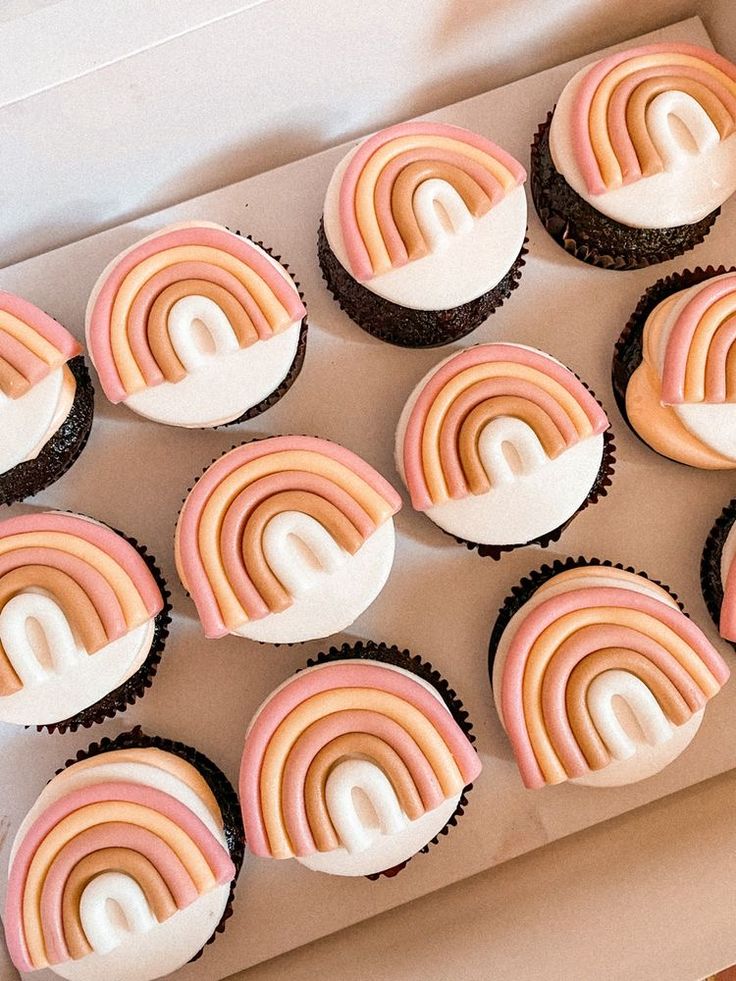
(421, 239)
(351, 767)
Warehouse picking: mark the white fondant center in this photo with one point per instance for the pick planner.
(190, 318)
(346, 782)
(639, 700)
(331, 599)
(300, 551)
(37, 638)
(112, 907)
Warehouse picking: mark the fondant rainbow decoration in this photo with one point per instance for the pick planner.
(220, 553)
(468, 393)
(700, 351)
(615, 139)
(293, 798)
(140, 318)
(553, 704)
(129, 829)
(101, 584)
(32, 345)
(387, 193)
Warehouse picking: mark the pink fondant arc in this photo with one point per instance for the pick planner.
(99, 535)
(200, 235)
(359, 259)
(548, 612)
(580, 123)
(482, 354)
(214, 853)
(44, 325)
(681, 338)
(192, 567)
(353, 674)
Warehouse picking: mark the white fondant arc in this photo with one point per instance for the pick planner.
(694, 186)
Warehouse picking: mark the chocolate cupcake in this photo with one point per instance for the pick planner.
(139, 826)
(501, 446)
(195, 326)
(46, 399)
(84, 617)
(367, 718)
(598, 675)
(633, 165)
(422, 235)
(673, 374)
(286, 539)
(718, 573)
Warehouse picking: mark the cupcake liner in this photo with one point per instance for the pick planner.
(296, 364)
(529, 584)
(136, 686)
(369, 650)
(217, 781)
(711, 583)
(628, 353)
(403, 326)
(602, 482)
(591, 236)
(62, 449)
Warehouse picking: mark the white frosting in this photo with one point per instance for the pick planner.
(474, 255)
(713, 424)
(530, 493)
(332, 587)
(630, 721)
(369, 824)
(694, 183)
(140, 949)
(225, 380)
(27, 423)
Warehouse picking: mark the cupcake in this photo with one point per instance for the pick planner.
(285, 539)
(196, 326)
(125, 866)
(673, 372)
(46, 399)
(633, 165)
(370, 719)
(598, 675)
(501, 446)
(422, 235)
(84, 617)
(718, 573)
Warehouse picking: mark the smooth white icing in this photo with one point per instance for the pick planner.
(325, 602)
(525, 503)
(165, 947)
(474, 257)
(617, 703)
(698, 183)
(226, 382)
(28, 423)
(713, 424)
(384, 850)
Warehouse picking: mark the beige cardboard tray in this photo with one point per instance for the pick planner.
(441, 599)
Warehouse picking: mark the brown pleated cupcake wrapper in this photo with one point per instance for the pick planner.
(711, 583)
(627, 352)
(404, 326)
(523, 591)
(599, 489)
(135, 687)
(62, 449)
(369, 650)
(572, 223)
(296, 364)
(218, 783)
